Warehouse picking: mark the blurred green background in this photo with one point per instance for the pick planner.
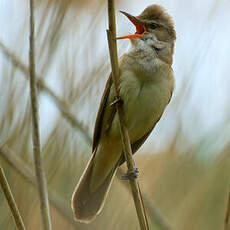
(184, 166)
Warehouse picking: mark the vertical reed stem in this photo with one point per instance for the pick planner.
(40, 175)
(227, 218)
(111, 34)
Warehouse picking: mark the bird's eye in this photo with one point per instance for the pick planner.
(153, 26)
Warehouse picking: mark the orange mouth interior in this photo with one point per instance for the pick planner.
(140, 28)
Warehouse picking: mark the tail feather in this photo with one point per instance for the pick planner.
(85, 203)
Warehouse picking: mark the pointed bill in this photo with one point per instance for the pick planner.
(140, 27)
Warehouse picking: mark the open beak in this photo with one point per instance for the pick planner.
(140, 28)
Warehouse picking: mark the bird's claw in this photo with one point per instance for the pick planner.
(130, 175)
(117, 100)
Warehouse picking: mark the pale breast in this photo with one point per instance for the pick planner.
(144, 102)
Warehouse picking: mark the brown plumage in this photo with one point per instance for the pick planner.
(146, 85)
(156, 13)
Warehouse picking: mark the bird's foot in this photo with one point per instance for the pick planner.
(130, 175)
(117, 100)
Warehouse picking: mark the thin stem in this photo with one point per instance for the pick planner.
(27, 174)
(11, 202)
(111, 34)
(40, 175)
(151, 208)
(227, 218)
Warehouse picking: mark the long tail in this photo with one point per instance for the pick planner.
(85, 203)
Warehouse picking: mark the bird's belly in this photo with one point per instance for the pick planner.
(144, 103)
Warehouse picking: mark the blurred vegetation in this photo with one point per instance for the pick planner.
(187, 180)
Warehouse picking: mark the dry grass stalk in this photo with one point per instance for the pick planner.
(111, 34)
(23, 170)
(62, 105)
(227, 219)
(10, 199)
(40, 175)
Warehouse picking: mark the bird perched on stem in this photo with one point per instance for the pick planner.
(145, 88)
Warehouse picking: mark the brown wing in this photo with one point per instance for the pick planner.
(100, 114)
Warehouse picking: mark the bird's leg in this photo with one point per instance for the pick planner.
(117, 100)
(131, 174)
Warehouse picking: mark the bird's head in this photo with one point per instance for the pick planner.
(154, 27)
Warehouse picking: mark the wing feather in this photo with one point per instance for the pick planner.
(100, 114)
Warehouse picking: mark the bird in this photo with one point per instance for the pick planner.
(146, 84)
